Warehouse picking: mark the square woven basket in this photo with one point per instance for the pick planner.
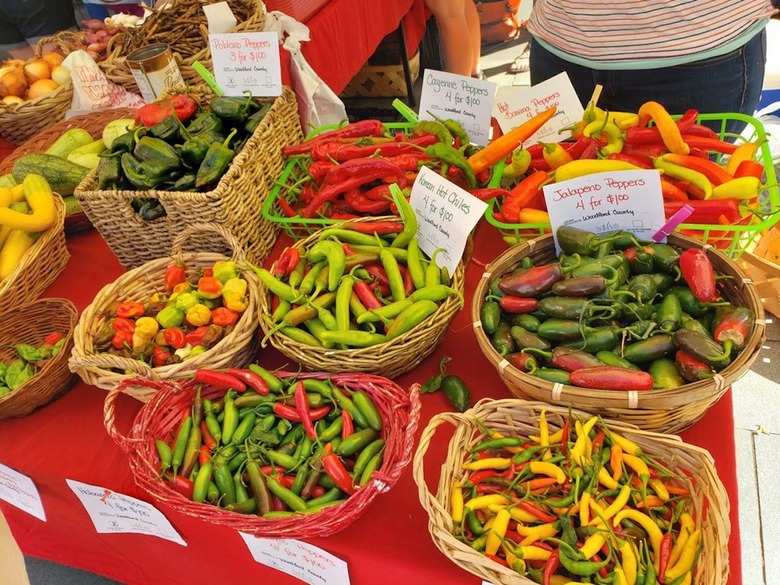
(234, 203)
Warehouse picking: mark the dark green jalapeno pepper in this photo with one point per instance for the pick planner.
(194, 149)
(611, 359)
(502, 339)
(215, 163)
(109, 173)
(124, 143)
(527, 321)
(704, 348)
(632, 311)
(688, 322)
(690, 304)
(574, 308)
(642, 262)
(650, 349)
(560, 329)
(669, 314)
(596, 339)
(167, 129)
(490, 315)
(524, 339)
(142, 176)
(553, 375)
(150, 149)
(574, 240)
(253, 121)
(666, 258)
(644, 288)
(456, 391)
(184, 183)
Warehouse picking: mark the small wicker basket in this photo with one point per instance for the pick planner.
(234, 203)
(520, 418)
(106, 370)
(399, 408)
(390, 359)
(93, 123)
(31, 323)
(185, 32)
(668, 411)
(40, 265)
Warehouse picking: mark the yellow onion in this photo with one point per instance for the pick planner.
(41, 87)
(12, 82)
(36, 69)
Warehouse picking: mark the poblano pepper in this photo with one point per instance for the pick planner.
(205, 122)
(215, 163)
(168, 129)
(234, 109)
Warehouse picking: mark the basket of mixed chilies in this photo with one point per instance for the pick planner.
(650, 333)
(273, 454)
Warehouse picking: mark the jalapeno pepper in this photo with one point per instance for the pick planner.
(650, 349)
(611, 378)
(704, 348)
(533, 282)
(699, 274)
(733, 324)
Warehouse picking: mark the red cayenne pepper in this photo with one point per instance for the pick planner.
(359, 129)
(292, 414)
(219, 380)
(334, 468)
(347, 426)
(302, 406)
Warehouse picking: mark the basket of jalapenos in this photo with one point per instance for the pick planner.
(187, 162)
(650, 333)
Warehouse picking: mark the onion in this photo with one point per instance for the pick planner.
(53, 59)
(17, 63)
(12, 82)
(41, 87)
(36, 69)
(60, 74)
(12, 100)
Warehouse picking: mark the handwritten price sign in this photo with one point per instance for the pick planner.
(247, 62)
(19, 490)
(605, 202)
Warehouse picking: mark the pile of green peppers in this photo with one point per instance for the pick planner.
(25, 365)
(172, 156)
(612, 313)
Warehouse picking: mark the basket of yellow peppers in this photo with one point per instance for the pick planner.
(32, 240)
(170, 317)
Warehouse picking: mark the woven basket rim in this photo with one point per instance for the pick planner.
(401, 420)
(634, 403)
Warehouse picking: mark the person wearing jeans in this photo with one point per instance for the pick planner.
(705, 55)
(24, 22)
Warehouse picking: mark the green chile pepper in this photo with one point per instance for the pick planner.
(143, 176)
(527, 321)
(224, 481)
(369, 452)
(690, 304)
(554, 329)
(596, 339)
(524, 339)
(109, 173)
(665, 374)
(669, 314)
(253, 121)
(167, 129)
(644, 288)
(642, 262)
(612, 359)
(666, 258)
(688, 322)
(456, 392)
(356, 441)
(574, 240)
(368, 409)
(149, 149)
(233, 109)
(704, 348)
(17, 373)
(125, 142)
(553, 375)
(490, 315)
(205, 122)
(185, 183)
(502, 339)
(574, 308)
(333, 253)
(650, 349)
(411, 317)
(216, 161)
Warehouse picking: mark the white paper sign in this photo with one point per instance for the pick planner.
(446, 214)
(20, 491)
(247, 61)
(219, 16)
(112, 512)
(465, 99)
(605, 202)
(516, 104)
(299, 559)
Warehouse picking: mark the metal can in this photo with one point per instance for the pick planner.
(154, 70)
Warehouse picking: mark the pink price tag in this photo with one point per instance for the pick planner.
(682, 214)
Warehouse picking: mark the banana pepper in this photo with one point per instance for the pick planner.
(40, 198)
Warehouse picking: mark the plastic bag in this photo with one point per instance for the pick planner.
(317, 103)
(771, 122)
(92, 92)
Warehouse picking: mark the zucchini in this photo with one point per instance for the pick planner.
(69, 141)
(62, 175)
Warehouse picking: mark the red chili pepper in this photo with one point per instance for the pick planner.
(204, 453)
(346, 152)
(713, 144)
(290, 413)
(651, 134)
(518, 305)
(734, 325)
(582, 145)
(640, 160)
(523, 194)
(671, 192)
(347, 426)
(182, 485)
(699, 274)
(355, 130)
(302, 406)
(652, 149)
(366, 295)
(219, 380)
(122, 340)
(335, 470)
(702, 131)
(224, 317)
(174, 274)
(664, 552)
(411, 161)
(362, 203)
(611, 378)
(160, 356)
(538, 164)
(550, 566)
(286, 208)
(706, 211)
(123, 324)
(537, 512)
(407, 279)
(129, 309)
(565, 429)
(174, 337)
(489, 193)
(52, 338)
(749, 168)
(496, 559)
(319, 169)
(715, 173)
(209, 442)
(479, 476)
(377, 272)
(250, 378)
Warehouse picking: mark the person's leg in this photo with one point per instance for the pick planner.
(12, 42)
(12, 568)
(475, 35)
(456, 47)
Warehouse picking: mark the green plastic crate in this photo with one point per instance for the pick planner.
(730, 239)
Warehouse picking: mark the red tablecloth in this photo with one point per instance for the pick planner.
(389, 544)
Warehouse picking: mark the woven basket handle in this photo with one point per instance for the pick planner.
(418, 471)
(214, 228)
(108, 362)
(384, 482)
(109, 418)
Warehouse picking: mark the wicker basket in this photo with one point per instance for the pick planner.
(667, 411)
(31, 323)
(399, 408)
(520, 418)
(390, 359)
(40, 265)
(186, 34)
(382, 80)
(234, 203)
(93, 123)
(106, 370)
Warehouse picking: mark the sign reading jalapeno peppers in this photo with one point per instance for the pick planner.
(259, 444)
(632, 315)
(580, 501)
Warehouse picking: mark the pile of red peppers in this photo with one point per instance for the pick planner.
(581, 503)
(613, 313)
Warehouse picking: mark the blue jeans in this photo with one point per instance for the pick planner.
(729, 83)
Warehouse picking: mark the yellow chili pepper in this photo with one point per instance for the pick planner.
(745, 151)
(687, 526)
(647, 523)
(555, 154)
(581, 167)
(145, 330)
(741, 188)
(517, 514)
(696, 179)
(198, 315)
(539, 531)
(659, 488)
(580, 448)
(635, 463)
(626, 444)
(621, 576)
(615, 507)
(606, 479)
(585, 509)
(40, 198)
(593, 544)
(485, 501)
(488, 463)
(670, 132)
(456, 502)
(497, 532)
(544, 435)
(611, 131)
(628, 561)
(17, 242)
(180, 288)
(532, 553)
(688, 556)
(521, 160)
(554, 438)
(622, 120)
(548, 469)
(497, 435)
